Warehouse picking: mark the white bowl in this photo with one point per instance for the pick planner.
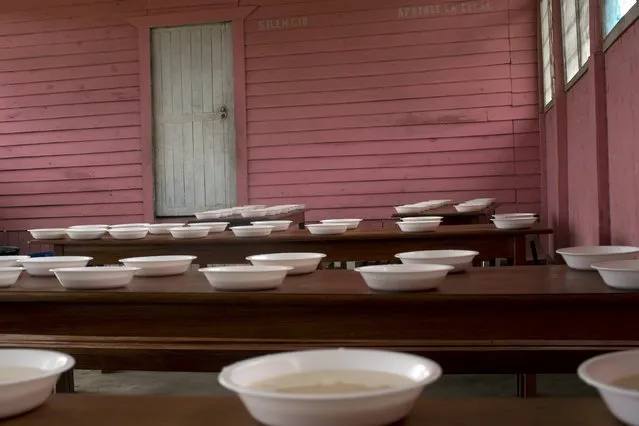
(9, 275)
(27, 378)
(162, 228)
(95, 277)
(409, 209)
(86, 233)
(514, 215)
(246, 277)
(404, 277)
(159, 266)
(601, 372)
(254, 213)
(327, 228)
(48, 233)
(214, 214)
(581, 258)
(466, 208)
(212, 226)
(88, 226)
(350, 223)
(423, 219)
(441, 203)
(460, 260)
(302, 263)
(514, 222)
(369, 408)
(41, 266)
(485, 200)
(129, 225)
(419, 226)
(9, 261)
(189, 232)
(278, 225)
(620, 274)
(251, 231)
(127, 233)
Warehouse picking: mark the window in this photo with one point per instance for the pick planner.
(576, 30)
(613, 11)
(546, 50)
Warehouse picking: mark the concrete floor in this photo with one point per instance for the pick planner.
(140, 383)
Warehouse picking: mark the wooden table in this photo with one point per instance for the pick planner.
(534, 319)
(453, 217)
(356, 245)
(298, 217)
(99, 410)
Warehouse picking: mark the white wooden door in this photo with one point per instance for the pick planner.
(193, 118)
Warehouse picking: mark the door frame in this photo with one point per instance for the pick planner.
(144, 24)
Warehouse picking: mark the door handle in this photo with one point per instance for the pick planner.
(223, 112)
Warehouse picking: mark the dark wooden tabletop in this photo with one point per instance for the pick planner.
(80, 410)
(538, 282)
(488, 320)
(299, 235)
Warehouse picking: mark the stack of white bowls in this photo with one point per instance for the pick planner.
(514, 220)
(420, 224)
(617, 265)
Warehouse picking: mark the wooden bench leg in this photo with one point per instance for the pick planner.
(526, 385)
(66, 383)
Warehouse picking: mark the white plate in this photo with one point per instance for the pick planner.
(369, 408)
(419, 226)
(582, 257)
(160, 266)
(514, 222)
(467, 208)
(410, 209)
(86, 233)
(32, 389)
(350, 223)
(189, 232)
(253, 213)
(602, 371)
(8, 261)
(278, 225)
(163, 228)
(404, 277)
(423, 219)
(48, 233)
(41, 266)
(327, 228)
(251, 231)
(95, 277)
(128, 233)
(246, 277)
(513, 215)
(88, 226)
(129, 225)
(214, 227)
(459, 259)
(302, 263)
(9, 275)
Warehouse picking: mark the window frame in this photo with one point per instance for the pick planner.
(582, 57)
(547, 104)
(620, 27)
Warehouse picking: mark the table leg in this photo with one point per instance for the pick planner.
(66, 383)
(526, 385)
(519, 249)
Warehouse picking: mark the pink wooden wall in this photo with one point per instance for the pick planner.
(622, 74)
(582, 178)
(361, 106)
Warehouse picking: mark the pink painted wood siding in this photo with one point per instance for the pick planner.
(583, 204)
(622, 74)
(353, 112)
(359, 110)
